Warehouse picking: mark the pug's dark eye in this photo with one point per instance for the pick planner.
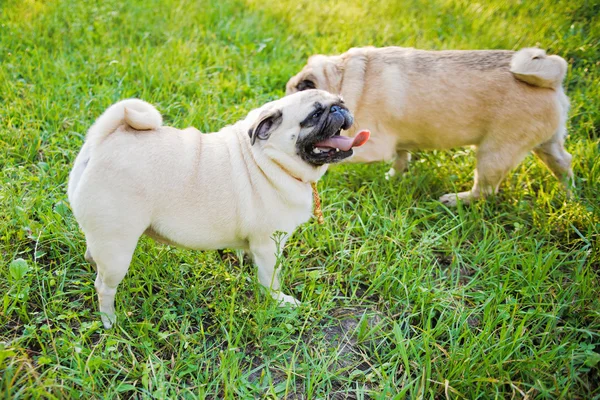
(317, 114)
(305, 85)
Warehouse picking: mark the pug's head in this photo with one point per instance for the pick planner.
(301, 132)
(320, 72)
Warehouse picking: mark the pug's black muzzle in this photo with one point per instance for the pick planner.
(333, 120)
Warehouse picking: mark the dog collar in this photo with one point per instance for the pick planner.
(317, 211)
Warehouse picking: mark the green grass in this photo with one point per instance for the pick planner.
(402, 296)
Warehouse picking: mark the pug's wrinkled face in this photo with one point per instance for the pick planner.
(304, 127)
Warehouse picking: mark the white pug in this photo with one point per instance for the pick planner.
(231, 189)
(505, 103)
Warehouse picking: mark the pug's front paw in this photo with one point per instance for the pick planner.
(284, 299)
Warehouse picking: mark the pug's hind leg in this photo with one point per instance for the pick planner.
(112, 255)
(265, 258)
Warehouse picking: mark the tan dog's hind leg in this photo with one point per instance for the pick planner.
(494, 161)
(553, 154)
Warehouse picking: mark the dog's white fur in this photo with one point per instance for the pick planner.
(503, 102)
(199, 191)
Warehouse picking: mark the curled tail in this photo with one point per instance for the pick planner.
(533, 66)
(133, 112)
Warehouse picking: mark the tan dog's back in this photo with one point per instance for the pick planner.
(446, 99)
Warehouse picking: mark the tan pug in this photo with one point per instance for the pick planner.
(505, 103)
(231, 189)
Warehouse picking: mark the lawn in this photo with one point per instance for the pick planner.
(402, 297)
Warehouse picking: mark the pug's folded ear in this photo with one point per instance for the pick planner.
(268, 121)
(306, 84)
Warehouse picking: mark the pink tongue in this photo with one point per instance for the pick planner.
(345, 143)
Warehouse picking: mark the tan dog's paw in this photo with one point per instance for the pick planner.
(390, 174)
(400, 165)
(452, 199)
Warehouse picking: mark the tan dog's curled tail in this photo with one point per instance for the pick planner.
(533, 66)
(133, 112)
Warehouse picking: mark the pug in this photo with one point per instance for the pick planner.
(503, 102)
(231, 189)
